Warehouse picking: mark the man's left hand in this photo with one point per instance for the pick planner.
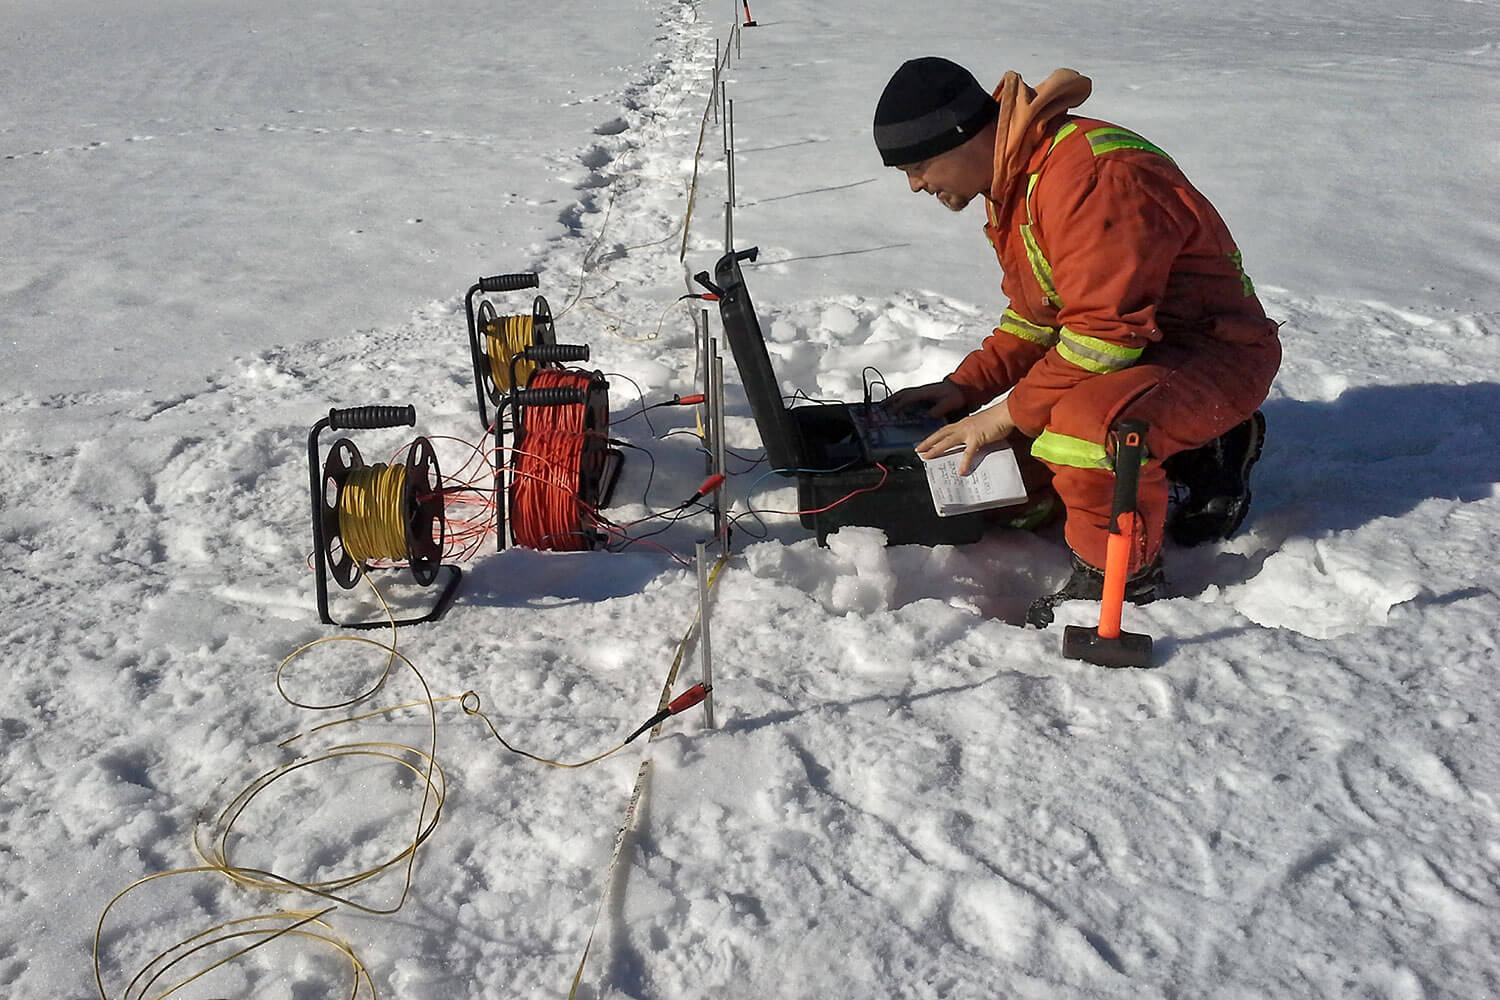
(971, 433)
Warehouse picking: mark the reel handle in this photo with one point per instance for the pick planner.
(371, 417)
(551, 396)
(508, 282)
(556, 352)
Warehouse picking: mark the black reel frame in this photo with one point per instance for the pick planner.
(480, 316)
(600, 462)
(421, 504)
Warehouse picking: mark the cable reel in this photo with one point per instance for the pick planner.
(495, 341)
(505, 337)
(363, 513)
(599, 465)
(562, 466)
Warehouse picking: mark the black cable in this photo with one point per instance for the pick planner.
(650, 474)
(750, 463)
(879, 380)
(733, 521)
(642, 397)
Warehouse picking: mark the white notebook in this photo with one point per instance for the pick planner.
(994, 481)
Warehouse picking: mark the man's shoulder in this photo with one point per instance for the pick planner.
(1084, 149)
(1087, 140)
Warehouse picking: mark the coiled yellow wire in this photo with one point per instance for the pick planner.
(372, 516)
(228, 943)
(209, 950)
(504, 338)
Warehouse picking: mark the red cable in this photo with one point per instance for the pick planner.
(884, 474)
(468, 502)
(546, 511)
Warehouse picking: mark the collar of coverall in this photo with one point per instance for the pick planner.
(1024, 114)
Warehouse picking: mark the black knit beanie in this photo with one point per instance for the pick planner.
(930, 106)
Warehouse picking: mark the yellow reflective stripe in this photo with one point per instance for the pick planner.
(1246, 285)
(1112, 137)
(1077, 453)
(1060, 449)
(1015, 325)
(1095, 355)
(1039, 266)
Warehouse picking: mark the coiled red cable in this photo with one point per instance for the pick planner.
(546, 509)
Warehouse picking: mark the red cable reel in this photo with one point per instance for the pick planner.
(563, 467)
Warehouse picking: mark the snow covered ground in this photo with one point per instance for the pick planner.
(219, 221)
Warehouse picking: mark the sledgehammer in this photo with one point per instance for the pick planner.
(1107, 646)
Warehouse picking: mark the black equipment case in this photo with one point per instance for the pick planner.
(818, 445)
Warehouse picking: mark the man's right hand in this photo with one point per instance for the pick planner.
(936, 399)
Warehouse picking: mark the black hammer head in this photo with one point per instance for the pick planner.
(1128, 649)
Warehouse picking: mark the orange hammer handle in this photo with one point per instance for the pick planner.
(1124, 525)
(1116, 570)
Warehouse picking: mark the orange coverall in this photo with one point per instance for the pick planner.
(1127, 299)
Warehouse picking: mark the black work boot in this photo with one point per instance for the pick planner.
(1087, 584)
(1217, 479)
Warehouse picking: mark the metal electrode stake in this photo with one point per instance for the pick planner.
(729, 129)
(705, 408)
(711, 421)
(711, 424)
(697, 351)
(714, 100)
(718, 420)
(700, 551)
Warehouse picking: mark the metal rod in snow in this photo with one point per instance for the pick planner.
(711, 405)
(718, 419)
(728, 228)
(706, 408)
(729, 152)
(704, 640)
(700, 372)
(714, 98)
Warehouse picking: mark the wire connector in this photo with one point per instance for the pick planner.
(710, 484)
(692, 696)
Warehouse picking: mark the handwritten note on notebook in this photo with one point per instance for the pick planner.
(994, 481)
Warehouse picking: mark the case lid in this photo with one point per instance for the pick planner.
(784, 448)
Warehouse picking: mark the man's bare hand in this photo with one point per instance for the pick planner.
(971, 433)
(936, 399)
